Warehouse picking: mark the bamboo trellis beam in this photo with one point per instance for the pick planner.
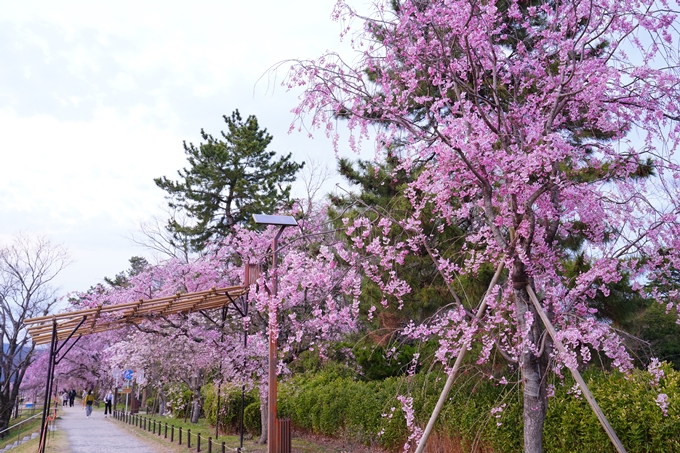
(109, 317)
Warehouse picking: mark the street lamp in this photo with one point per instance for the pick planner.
(283, 221)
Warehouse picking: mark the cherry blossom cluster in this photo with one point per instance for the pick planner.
(317, 302)
(523, 124)
(546, 130)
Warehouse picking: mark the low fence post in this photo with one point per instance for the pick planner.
(165, 431)
(188, 437)
(209, 444)
(180, 435)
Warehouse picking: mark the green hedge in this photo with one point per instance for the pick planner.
(333, 404)
(629, 404)
(252, 420)
(230, 405)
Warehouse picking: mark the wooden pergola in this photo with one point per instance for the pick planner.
(110, 317)
(62, 327)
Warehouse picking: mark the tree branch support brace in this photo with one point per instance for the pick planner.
(577, 376)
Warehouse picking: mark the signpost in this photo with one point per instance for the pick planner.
(127, 375)
(116, 374)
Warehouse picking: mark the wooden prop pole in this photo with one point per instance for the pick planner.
(456, 366)
(577, 376)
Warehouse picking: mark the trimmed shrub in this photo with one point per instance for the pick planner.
(230, 405)
(251, 418)
(369, 412)
(178, 399)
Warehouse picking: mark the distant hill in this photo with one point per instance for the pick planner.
(17, 358)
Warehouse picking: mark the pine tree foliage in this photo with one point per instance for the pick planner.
(381, 186)
(228, 179)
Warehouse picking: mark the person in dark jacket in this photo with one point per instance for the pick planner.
(108, 400)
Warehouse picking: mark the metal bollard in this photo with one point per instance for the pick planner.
(209, 444)
(180, 435)
(188, 438)
(198, 443)
(165, 434)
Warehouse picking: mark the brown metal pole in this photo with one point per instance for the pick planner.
(272, 391)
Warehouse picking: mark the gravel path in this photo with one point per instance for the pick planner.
(100, 435)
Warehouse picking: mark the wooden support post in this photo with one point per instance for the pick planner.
(456, 366)
(577, 376)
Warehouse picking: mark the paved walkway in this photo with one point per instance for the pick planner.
(100, 435)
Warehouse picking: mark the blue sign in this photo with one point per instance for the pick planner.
(127, 375)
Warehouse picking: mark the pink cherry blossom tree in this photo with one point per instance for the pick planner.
(531, 123)
(317, 300)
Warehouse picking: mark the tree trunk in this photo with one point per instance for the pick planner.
(161, 402)
(195, 409)
(5, 414)
(196, 382)
(264, 419)
(532, 367)
(144, 399)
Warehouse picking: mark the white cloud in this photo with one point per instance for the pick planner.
(97, 97)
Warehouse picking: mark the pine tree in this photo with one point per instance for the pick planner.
(228, 180)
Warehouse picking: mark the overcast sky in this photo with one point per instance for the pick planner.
(97, 97)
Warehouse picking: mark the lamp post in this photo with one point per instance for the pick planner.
(282, 221)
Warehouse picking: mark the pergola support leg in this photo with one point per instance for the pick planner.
(48, 389)
(52, 363)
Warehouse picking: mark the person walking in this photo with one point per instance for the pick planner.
(71, 397)
(108, 400)
(89, 401)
